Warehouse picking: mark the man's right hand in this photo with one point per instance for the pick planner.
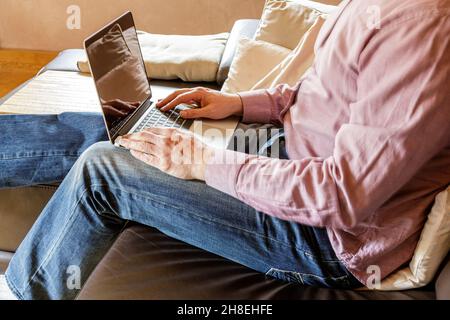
(212, 104)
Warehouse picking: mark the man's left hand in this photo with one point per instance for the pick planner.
(178, 153)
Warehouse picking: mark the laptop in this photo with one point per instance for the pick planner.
(125, 94)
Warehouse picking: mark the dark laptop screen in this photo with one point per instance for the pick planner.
(118, 70)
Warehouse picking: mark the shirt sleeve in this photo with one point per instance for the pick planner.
(268, 106)
(399, 121)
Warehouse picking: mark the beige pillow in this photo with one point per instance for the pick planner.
(253, 60)
(431, 250)
(294, 66)
(189, 58)
(285, 22)
(250, 69)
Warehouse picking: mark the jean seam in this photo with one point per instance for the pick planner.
(214, 221)
(40, 156)
(13, 288)
(302, 274)
(323, 278)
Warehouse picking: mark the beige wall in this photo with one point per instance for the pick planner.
(41, 24)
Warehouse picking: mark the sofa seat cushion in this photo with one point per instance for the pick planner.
(146, 264)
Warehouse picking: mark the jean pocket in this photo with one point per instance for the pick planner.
(309, 279)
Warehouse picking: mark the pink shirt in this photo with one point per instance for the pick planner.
(367, 132)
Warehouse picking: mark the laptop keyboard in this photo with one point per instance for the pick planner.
(170, 119)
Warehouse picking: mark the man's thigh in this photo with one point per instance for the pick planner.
(197, 214)
(40, 149)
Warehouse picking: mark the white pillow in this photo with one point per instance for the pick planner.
(285, 22)
(431, 250)
(253, 60)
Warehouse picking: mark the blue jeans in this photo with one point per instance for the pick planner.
(107, 187)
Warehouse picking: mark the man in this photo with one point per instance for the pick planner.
(368, 138)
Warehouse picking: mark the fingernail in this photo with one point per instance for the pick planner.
(122, 141)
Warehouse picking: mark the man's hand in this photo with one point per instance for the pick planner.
(176, 152)
(213, 104)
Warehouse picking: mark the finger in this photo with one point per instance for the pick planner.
(171, 96)
(149, 137)
(157, 162)
(141, 146)
(195, 113)
(186, 97)
(163, 132)
(147, 158)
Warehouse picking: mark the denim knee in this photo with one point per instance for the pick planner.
(98, 153)
(99, 150)
(95, 162)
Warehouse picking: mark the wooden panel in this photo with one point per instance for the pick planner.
(18, 66)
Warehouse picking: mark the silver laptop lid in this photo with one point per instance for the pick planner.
(118, 69)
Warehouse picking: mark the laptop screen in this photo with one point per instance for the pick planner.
(118, 70)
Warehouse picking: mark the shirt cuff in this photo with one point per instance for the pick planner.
(257, 106)
(223, 170)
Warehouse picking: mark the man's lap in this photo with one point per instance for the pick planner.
(195, 213)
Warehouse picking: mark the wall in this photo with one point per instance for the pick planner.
(41, 24)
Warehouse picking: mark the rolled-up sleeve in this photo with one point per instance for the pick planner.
(268, 106)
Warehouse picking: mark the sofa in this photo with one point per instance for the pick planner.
(145, 264)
